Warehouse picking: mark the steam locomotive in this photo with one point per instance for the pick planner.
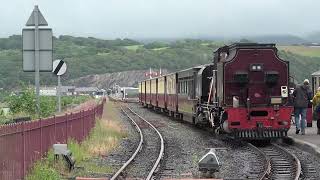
(244, 92)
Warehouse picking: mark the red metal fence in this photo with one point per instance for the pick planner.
(21, 144)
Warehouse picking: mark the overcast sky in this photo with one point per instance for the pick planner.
(111, 19)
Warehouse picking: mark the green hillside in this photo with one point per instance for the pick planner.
(303, 50)
(86, 56)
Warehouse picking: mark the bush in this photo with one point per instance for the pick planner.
(44, 169)
(24, 104)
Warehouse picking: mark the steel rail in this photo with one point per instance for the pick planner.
(266, 160)
(161, 148)
(135, 153)
(296, 160)
(276, 148)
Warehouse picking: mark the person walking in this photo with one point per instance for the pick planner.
(316, 108)
(302, 97)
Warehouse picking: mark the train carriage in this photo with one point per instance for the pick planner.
(161, 87)
(186, 92)
(153, 92)
(142, 92)
(148, 92)
(171, 92)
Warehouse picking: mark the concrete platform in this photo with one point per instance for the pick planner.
(309, 142)
(310, 136)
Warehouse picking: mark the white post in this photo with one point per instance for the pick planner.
(59, 94)
(37, 59)
(150, 73)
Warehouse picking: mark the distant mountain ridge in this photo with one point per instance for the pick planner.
(278, 39)
(87, 56)
(314, 37)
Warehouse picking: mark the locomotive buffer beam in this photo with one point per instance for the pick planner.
(261, 134)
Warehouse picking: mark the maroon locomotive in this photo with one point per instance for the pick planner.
(243, 92)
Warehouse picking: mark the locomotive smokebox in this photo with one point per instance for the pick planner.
(209, 162)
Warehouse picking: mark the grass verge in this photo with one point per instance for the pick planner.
(89, 155)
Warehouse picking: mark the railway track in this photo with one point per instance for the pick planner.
(149, 152)
(279, 163)
(261, 170)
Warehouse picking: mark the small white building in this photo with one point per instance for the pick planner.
(52, 91)
(129, 92)
(48, 91)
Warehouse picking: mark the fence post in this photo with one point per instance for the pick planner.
(71, 118)
(40, 122)
(55, 129)
(94, 117)
(82, 121)
(66, 120)
(23, 150)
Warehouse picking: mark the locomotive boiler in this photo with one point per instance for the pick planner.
(244, 92)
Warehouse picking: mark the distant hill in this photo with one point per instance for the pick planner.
(91, 56)
(314, 37)
(278, 39)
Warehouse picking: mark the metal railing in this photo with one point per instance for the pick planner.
(21, 144)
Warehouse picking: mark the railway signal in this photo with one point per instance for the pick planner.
(152, 74)
(59, 68)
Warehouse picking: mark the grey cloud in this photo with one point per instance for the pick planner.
(165, 18)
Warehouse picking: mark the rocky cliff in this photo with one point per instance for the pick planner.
(123, 79)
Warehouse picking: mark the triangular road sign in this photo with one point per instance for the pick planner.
(31, 20)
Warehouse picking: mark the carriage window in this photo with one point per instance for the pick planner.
(186, 87)
(183, 87)
(190, 89)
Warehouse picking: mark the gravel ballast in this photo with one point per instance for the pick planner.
(186, 144)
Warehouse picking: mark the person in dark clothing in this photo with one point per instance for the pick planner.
(302, 96)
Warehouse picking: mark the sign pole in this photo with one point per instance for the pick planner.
(59, 94)
(37, 60)
(59, 67)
